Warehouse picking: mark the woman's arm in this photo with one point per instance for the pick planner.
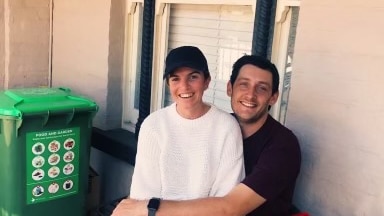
(146, 182)
(231, 168)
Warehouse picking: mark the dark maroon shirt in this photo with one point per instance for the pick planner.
(272, 162)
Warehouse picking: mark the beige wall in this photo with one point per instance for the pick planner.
(87, 53)
(115, 63)
(336, 103)
(336, 107)
(25, 32)
(2, 51)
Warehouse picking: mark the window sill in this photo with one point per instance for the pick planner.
(119, 143)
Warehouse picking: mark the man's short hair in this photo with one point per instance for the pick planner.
(259, 62)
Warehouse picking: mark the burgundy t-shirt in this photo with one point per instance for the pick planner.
(272, 162)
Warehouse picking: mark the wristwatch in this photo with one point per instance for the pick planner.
(153, 206)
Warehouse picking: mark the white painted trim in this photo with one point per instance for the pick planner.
(160, 3)
(283, 7)
(160, 50)
(281, 13)
(207, 2)
(280, 44)
(279, 51)
(130, 115)
(131, 5)
(292, 3)
(133, 1)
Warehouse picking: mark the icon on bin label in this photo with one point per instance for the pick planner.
(69, 156)
(38, 161)
(69, 144)
(38, 174)
(68, 185)
(53, 188)
(54, 146)
(53, 172)
(38, 148)
(68, 169)
(54, 159)
(38, 191)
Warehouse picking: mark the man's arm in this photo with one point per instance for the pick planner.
(239, 201)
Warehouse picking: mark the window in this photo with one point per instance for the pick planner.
(132, 70)
(222, 29)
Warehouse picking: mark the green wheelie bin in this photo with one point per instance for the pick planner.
(44, 151)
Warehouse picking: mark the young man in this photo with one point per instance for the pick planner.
(271, 154)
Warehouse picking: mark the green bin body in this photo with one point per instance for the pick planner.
(44, 152)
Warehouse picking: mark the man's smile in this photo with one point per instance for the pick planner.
(248, 104)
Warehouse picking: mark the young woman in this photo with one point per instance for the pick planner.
(190, 149)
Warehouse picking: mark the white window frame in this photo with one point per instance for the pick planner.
(132, 17)
(280, 44)
(160, 49)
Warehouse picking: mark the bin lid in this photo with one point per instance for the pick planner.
(35, 101)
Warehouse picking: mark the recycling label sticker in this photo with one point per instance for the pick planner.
(52, 164)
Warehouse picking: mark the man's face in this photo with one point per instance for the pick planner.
(187, 87)
(251, 94)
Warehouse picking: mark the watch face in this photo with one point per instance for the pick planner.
(154, 203)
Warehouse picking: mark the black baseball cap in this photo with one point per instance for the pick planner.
(186, 56)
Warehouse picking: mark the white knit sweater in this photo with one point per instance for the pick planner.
(181, 159)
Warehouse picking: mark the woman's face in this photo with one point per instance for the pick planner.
(187, 87)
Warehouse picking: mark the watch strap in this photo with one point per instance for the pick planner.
(153, 206)
(151, 212)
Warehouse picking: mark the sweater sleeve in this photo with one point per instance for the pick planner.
(231, 169)
(146, 181)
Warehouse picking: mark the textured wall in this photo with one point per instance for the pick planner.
(115, 63)
(24, 49)
(81, 49)
(337, 109)
(2, 44)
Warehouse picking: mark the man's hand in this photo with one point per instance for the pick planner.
(131, 207)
